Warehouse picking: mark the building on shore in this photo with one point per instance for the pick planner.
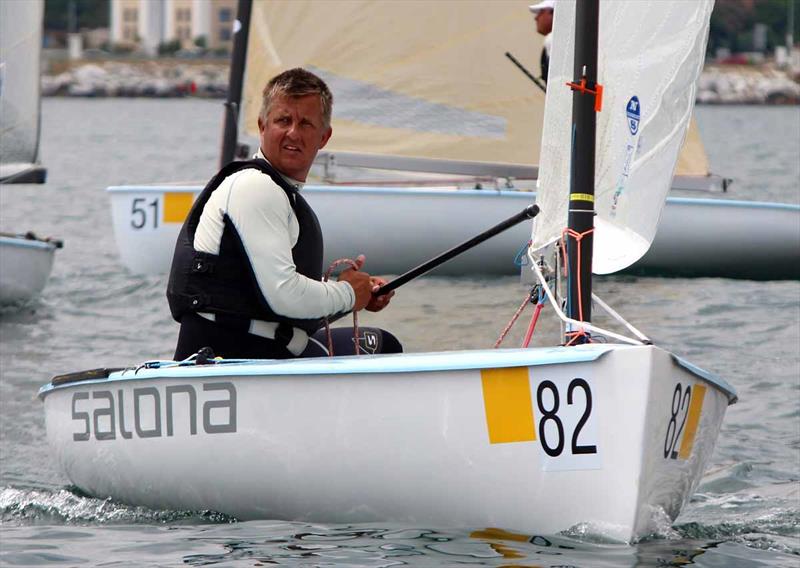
(145, 25)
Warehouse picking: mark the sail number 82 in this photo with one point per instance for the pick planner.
(677, 420)
(554, 445)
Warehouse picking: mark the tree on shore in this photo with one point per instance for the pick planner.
(732, 23)
(59, 15)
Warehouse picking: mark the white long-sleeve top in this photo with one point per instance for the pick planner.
(262, 215)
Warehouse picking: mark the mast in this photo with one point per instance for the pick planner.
(586, 99)
(241, 31)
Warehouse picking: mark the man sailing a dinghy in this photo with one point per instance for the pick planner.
(246, 274)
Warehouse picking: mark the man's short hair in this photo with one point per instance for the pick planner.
(296, 83)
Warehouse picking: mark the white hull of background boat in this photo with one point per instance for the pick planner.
(447, 439)
(397, 229)
(25, 266)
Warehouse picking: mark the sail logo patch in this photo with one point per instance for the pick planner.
(634, 114)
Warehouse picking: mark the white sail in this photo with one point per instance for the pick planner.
(650, 55)
(20, 47)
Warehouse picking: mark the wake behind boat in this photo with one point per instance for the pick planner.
(605, 431)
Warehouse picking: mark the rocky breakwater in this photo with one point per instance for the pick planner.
(148, 78)
(747, 84)
(719, 84)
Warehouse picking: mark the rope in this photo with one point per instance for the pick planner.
(613, 313)
(578, 237)
(528, 300)
(552, 299)
(520, 258)
(354, 266)
(534, 318)
(576, 335)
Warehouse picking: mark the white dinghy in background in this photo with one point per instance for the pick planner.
(452, 105)
(613, 435)
(697, 237)
(25, 265)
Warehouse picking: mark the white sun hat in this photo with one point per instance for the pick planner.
(543, 5)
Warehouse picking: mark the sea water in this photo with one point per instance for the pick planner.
(94, 313)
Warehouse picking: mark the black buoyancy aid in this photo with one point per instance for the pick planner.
(544, 62)
(226, 283)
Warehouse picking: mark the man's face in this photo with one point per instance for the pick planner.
(293, 134)
(544, 21)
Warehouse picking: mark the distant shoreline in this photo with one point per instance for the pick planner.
(763, 84)
(146, 78)
(719, 84)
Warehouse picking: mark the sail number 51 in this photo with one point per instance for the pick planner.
(144, 214)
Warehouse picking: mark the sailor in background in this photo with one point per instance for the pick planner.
(543, 12)
(246, 276)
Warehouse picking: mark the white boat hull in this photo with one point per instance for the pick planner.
(25, 266)
(398, 229)
(22, 173)
(450, 439)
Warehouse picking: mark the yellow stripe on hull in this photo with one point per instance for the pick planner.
(177, 206)
(507, 398)
(692, 421)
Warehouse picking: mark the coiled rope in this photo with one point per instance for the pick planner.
(354, 266)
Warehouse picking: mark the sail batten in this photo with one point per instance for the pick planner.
(362, 102)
